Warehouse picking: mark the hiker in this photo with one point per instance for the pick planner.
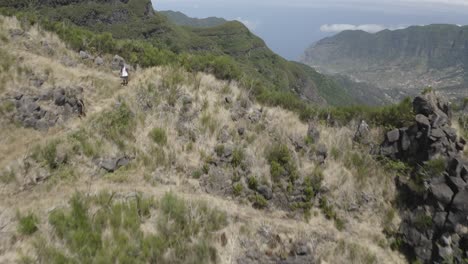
(124, 74)
(81, 108)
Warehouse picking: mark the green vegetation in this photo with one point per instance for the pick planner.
(330, 214)
(237, 189)
(181, 19)
(49, 155)
(238, 157)
(84, 143)
(281, 163)
(117, 125)
(158, 135)
(7, 176)
(259, 201)
(252, 182)
(27, 225)
(113, 233)
(431, 169)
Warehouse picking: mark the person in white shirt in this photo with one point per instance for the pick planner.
(124, 74)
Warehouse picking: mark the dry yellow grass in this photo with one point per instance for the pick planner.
(363, 231)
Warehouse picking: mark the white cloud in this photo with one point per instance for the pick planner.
(252, 25)
(371, 28)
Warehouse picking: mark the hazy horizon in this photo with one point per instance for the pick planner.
(290, 27)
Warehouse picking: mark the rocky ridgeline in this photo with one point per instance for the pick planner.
(435, 221)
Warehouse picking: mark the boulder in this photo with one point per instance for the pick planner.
(265, 191)
(98, 61)
(442, 193)
(117, 61)
(113, 164)
(422, 121)
(85, 56)
(393, 136)
(421, 105)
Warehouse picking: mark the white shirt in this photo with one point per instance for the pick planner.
(124, 72)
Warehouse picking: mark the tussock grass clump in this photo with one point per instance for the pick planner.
(117, 125)
(48, 154)
(158, 135)
(238, 156)
(27, 224)
(84, 143)
(208, 123)
(100, 230)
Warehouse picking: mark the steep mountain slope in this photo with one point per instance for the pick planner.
(134, 19)
(181, 19)
(178, 167)
(407, 59)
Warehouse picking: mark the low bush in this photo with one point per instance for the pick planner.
(47, 154)
(117, 125)
(158, 135)
(238, 157)
(252, 183)
(259, 201)
(237, 189)
(27, 225)
(84, 143)
(111, 231)
(281, 162)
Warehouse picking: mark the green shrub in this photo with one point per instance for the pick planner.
(237, 189)
(281, 162)
(111, 231)
(48, 154)
(158, 135)
(238, 156)
(85, 144)
(196, 174)
(117, 124)
(252, 183)
(27, 225)
(259, 201)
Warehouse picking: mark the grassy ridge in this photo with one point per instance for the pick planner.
(266, 83)
(163, 40)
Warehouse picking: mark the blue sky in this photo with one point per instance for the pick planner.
(289, 27)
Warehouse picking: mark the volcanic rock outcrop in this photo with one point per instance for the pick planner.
(435, 216)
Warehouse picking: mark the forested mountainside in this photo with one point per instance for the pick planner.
(408, 60)
(181, 19)
(245, 55)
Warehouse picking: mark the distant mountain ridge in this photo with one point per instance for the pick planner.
(181, 19)
(406, 60)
